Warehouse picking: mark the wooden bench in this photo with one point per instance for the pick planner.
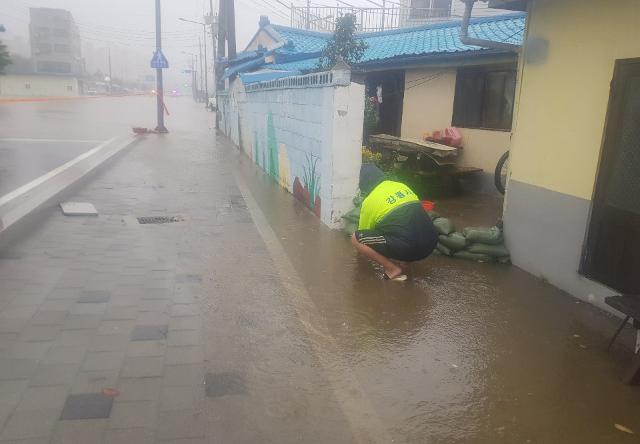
(629, 305)
(424, 155)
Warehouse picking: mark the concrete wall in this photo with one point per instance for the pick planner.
(38, 86)
(566, 68)
(308, 138)
(428, 105)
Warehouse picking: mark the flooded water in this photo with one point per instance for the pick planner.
(306, 341)
(463, 352)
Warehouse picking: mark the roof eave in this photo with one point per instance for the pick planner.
(436, 60)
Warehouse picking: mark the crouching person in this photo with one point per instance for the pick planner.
(393, 225)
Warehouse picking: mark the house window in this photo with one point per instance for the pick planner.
(69, 88)
(27, 86)
(44, 48)
(58, 32)
(42, 31)
(484, 98)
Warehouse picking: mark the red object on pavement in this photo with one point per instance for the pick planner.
(110, 392)
(428, 205)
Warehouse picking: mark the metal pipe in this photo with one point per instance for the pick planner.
(464, 33)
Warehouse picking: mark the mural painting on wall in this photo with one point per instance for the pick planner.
(274, 160)
(273, 166)
(310, 193)
(283, 162)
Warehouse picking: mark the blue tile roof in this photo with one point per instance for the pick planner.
(394, 45)
(297, 66)
(244, 66)
(303, 40)
(442, 38)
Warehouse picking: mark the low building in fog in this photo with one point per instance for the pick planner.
(55, 42)
(56, 66)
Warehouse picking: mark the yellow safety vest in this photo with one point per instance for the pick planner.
(387, 196)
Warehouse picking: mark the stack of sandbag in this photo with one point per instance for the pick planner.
(481, 244)
(352, 218)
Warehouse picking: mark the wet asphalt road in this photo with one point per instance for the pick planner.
(23, 159)
(36, 137)
(463, 353)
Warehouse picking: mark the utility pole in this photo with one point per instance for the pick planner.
(222, 29)
(193, 77)
(201, 68)
(231, 29)
(159, 85)
(222, 26)
(214, 62)
(206, 69)
(110, 73)
(308, 20)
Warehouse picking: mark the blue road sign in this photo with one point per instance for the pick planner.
(159, 61)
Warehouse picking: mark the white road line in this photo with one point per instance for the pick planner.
(365, 423)
(20, 202)
(45, 177)
(51, 140)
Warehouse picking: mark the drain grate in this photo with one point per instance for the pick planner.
(159, 219)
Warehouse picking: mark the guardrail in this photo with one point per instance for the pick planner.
(323, 18)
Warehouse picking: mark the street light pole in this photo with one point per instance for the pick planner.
(206, 75)
(194, 82)
(110, 74)
(205, 68)
(159, 84)
(194, 74)
(201, 68)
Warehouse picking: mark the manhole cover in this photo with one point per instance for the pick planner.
(159, 219)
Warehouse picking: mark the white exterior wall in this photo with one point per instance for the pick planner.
(38, 86)
(428, 106)
(308, 138)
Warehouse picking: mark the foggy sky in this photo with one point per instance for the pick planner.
(131, 23)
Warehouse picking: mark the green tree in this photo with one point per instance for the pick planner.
(342, 44)
(4, 57)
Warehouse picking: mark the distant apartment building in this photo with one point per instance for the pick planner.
(55, 42)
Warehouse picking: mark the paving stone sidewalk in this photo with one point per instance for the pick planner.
(101, 333)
